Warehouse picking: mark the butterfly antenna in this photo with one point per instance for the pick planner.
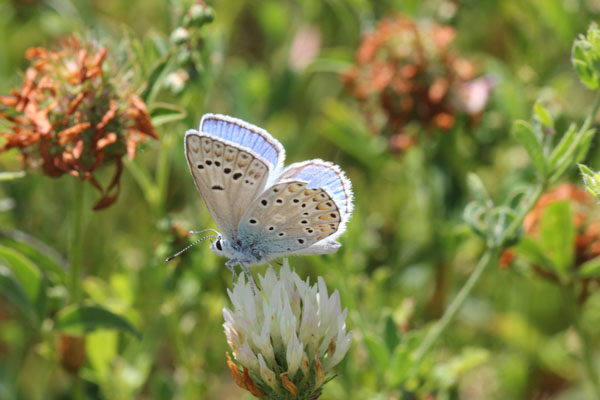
(203, 230)
(188, 247)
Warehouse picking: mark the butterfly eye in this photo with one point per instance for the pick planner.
(218, 245)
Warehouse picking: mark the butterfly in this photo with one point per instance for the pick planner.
(262, 210)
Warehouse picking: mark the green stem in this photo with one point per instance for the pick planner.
(489, 257)
(587, 351)
(162, 174)
(591, 116)
(75, 250)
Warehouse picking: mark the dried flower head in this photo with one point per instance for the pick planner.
(75, 112)
(287, 341)
(405, 71)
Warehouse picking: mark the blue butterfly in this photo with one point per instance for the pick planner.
(262, 210)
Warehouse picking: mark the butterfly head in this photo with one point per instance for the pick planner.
(222, 247)
(217, 246)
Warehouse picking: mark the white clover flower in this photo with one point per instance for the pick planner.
(286, 339)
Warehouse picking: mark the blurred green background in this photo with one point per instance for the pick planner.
(406, 251)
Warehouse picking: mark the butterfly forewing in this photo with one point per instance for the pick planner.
(246, 136)
(227, 177)
(289, 217)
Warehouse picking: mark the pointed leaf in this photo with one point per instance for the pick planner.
(154, 80)
(566, 142)
(590, 269)
(558, 235)
(28, 275)
(530, 251)
(45, 258)
(543, 115)
(12, 291)
(392, 338)
(524, 133)
(163, 113)
(84, 319)
(378, 353)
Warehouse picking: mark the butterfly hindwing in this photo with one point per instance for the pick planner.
(289, 217)
(329, 177)
(227, 177)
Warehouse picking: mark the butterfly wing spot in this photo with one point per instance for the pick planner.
(207, 145)
(271, 228)
(325, 206)
(230, 153)
(217, 187)
(243, 160)
(294, 187)
(301, 241)
(237, 176)
(200, 166)
(264, 202)
(320, 197)
(252, 221)
(227, 170)
(217, 164)
(208, 162)
(281, 234)
(218, 149)
(279, 201)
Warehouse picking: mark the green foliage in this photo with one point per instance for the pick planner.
(586, 57)
(424, 217)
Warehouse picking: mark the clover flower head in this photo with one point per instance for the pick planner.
(286, 339)
(76, 111)
(405, 71)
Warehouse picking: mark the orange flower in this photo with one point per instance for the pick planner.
(75, 112)
(587, 229)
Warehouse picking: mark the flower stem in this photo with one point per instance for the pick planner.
(162, 174)
(489, 257)
(75, 250)
(587, 351)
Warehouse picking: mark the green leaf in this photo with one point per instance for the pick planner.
(78, 320)
(590, 269)
(163, 113)
(477, 189)
(584, 145)
(101, 349)
(378, 352)
(543, 115)
(391, 336)
(558, 235)
(12, 290)
(45, 258)
(530, 251)
(524, 133)
(29, 276)
(566, 142)
(155, 78)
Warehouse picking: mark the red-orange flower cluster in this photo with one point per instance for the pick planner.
(76, 111)
(405, 71)
(587, 239)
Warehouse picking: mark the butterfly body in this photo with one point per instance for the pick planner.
(262, 210)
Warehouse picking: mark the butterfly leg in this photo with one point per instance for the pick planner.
(231, 266)
(250, 278)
